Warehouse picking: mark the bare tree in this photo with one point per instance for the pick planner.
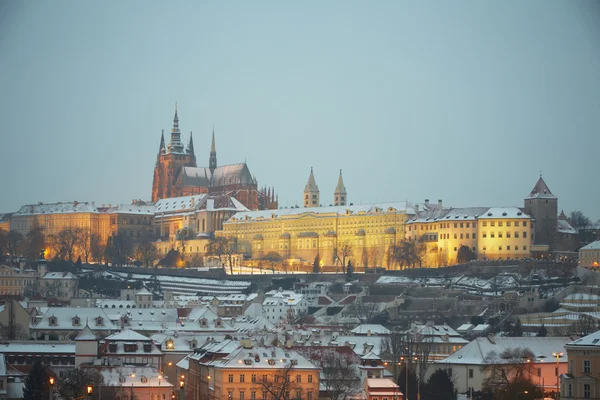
(73, 383)
(374, 256)
(145, 252)
(34, 242)
(182, 247)
(340, 377)
(66, 243)
(364, 311)
(579, 220)
(84, 243)
(225, 249)
(96, 248)
(509, 366)
(343, 252)
(584, 325)
(279, 385)
(13, 242)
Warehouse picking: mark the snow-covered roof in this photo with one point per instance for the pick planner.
(435, 214)
(589, 340)
(541, 191)
(38, 347)
(128, 335)
(564, 226)
(59, 275)
(137, 209)
(264, 358)
(592, 246)
(57, 208)
(465, 327)
(504, 212)
(133, 377)
(370, 329)
(65, 319)
(143, 291)
(395, 207)
(475, 353)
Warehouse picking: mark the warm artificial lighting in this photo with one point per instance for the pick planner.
(181, 384)
(526, 392)
(208, 377)
(557, 355)
(132, 375)
(182, 376)
(52, 380)
(89, 390)
(170, 363)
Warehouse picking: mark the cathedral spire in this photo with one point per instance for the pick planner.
(191, 144)
(339, 196)
(175, 145)
(161, 148)
(212, 161)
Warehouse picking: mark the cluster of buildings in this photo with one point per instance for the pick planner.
(191, 205)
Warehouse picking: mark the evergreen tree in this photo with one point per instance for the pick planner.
(316, 268)
(517, 329)
(36, 383)
(349, 271)
(543, 332)
(412, 383)
(439, 386)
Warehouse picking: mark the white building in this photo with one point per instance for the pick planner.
(589, 256)
(468, 366)
(283, 305)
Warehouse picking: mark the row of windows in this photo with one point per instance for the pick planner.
(508, 248)
(508, 223)
(501, 235)
(264, 395)
(265, 378)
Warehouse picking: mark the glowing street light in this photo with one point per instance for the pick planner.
(557, 355)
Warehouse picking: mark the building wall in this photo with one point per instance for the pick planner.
(504, 238)
(14, 281)
(545, 212)
(20, 318)
(167, 168)
(589, 258)
(303, 236)
(580, 357)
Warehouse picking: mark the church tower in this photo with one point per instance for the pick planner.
(170, 161)
(339, 196)
(311, 191)
(542, 205)
(212, 161)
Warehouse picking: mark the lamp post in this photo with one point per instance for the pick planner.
(51, 380)
(406, 369)
(132, 376)
(418, 379)
(89, 392)
(557, 355)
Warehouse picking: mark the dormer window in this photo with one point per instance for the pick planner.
(204, 323)
(53, 321)
(144, 379)
(193, 344)
(218, 323)
(122, 379)
(99, 321)
(76, 321)
(170, 344)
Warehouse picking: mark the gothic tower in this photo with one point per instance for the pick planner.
(542, 205)
(212, 161)
(339, 196)
(311, 191)
(170, 161)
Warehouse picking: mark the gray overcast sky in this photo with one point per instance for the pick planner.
(463, 101)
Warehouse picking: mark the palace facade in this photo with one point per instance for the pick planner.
(176, 174)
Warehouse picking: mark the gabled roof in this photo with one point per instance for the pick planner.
(86, 334)
(143, 291)
(541, 191)
(340, 188)
(128, 335)
(589, 340)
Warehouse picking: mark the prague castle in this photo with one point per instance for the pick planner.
(176, 174)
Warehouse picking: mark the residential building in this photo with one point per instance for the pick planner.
(249, 372)
(64, 323)
(58, 285)
(589, 256)
(580, 381)
(382, 389)
(131, 348)
(137, 382)
(177, 174)
(16, 281)
(435, 341)
(59, 356)
(470, 365)
(283, 305)
(14, 320)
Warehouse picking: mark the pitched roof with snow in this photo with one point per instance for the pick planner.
(370, 329)
(57, 208)
(504, 212)
(128, 335)
(592, 246)
(475, 353)
(86, 334)
(541, 191)
(589, 340)
(564, 226)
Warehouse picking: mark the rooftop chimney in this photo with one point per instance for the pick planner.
(440, 203)
(426, 202)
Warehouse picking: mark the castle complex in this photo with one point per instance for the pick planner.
(176, 174)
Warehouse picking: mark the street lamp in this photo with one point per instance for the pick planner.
(520, 393)
(132, 376)
(51, 388)
(557, 355)
(89, 392)
(181, 388)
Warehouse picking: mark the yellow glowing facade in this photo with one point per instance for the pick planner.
(589, 256)
(490, 233)
(302, 233)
